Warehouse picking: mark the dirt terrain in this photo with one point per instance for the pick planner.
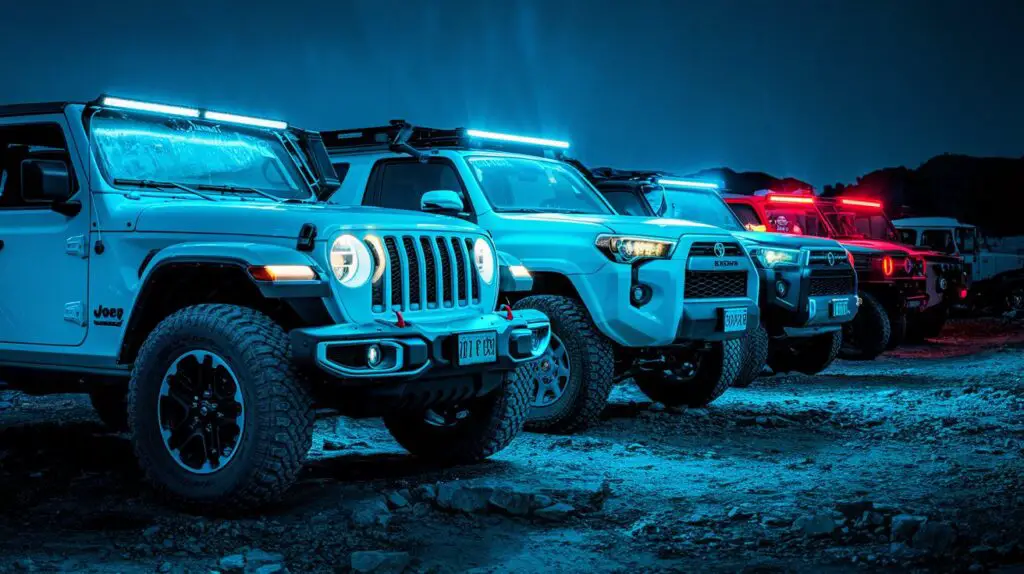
(909, 462)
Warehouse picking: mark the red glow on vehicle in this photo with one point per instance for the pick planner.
(887, 266)
(860, 202)
(790, 199)
(849, 256)
(963, 293)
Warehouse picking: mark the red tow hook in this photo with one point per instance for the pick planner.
(401, 324)
(508, 311)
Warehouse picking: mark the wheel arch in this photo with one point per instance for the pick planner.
(184, 275)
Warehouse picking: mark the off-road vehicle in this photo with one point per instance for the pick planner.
(179, 266)
(663, 302)
(992, 279)
(890, 277)
(808, 286)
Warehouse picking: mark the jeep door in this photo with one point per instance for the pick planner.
(43, 255)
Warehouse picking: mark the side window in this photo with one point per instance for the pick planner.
(746, 214)
(939, 240)
(402, 184)
(18, 143)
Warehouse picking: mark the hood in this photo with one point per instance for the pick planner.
(786, 240)
(285, 220)
(939, 257)
(875, 246)
(621, 224)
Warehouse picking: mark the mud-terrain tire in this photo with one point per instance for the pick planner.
(755, 356)
(809, 356)
(898, 322)
(927, 325)
(866, 336)
(275, 433)
(492, 422)
(110, 402)
(717, 370)
(591, 367)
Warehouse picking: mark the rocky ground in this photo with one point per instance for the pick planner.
(910, 462)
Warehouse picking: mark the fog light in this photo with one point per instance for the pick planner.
(373, 356)
(639, 295)
(781, 288)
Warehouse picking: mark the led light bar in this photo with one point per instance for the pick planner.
(245, 120)
(688, 183)
(150, 107)
(861, 202)
(790, 199)
(517, 139)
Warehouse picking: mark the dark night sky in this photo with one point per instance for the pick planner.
(824, 90)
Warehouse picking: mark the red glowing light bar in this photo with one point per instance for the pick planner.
(790, 199)
(887, 266)
(861, 203)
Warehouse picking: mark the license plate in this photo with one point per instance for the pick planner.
(734, 319)
(840, 307)
(476, 348)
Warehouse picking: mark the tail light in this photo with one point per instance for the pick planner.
(963, 293)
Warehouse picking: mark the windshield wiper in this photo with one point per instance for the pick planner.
(161, 185)
(240, 189)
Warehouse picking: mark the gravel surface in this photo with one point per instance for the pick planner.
(909, 462)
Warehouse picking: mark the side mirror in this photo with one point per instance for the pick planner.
(442, 201)
(45, 180)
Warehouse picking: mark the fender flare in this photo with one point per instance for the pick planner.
(507, 281)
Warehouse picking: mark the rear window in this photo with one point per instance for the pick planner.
(796, 220)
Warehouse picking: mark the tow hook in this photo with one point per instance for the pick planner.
(508, 312)
(400, 323)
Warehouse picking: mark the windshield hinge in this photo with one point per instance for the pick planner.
(300, 162)
(307, 237)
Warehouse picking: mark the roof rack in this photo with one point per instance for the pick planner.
(402, 137)
(662, 178)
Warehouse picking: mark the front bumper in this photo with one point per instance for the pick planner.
(809, 300)
(420, 350)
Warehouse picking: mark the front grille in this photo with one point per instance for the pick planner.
(707, 249)
(715, 284)
(820, 259)
(424, 272)
(841, 285)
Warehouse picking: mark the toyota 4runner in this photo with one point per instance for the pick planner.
(179, 265)
(890, 277)
(808, 286)
(663, 302)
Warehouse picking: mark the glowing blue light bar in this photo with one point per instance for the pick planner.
(150, 107)
(517, 139)
(246, 120)
(688, 183)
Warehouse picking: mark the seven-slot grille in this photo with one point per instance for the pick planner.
(715, 284)
(424, 272)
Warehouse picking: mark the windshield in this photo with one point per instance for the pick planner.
(627, 202)
(534, 185)
(938, 240)
(795, 220)
(700, 206)
(861, 225)
(191, 153)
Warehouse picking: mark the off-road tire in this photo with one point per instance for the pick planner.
(866, 336)
(110, 401)
(494, 420)
(278, 427)
(592, 366)
(717, 370)
(897, 329)
(755, 355)
(808, 356)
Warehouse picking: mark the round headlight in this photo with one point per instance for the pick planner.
(350, 261)
(483, 256)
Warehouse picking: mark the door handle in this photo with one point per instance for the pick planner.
(1, 243)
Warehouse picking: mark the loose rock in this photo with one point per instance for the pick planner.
(555, 512)
(379, 562)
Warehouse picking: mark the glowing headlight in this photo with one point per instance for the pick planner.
(624, 249)
(773, 257)
(483, 256)
(350, 261)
